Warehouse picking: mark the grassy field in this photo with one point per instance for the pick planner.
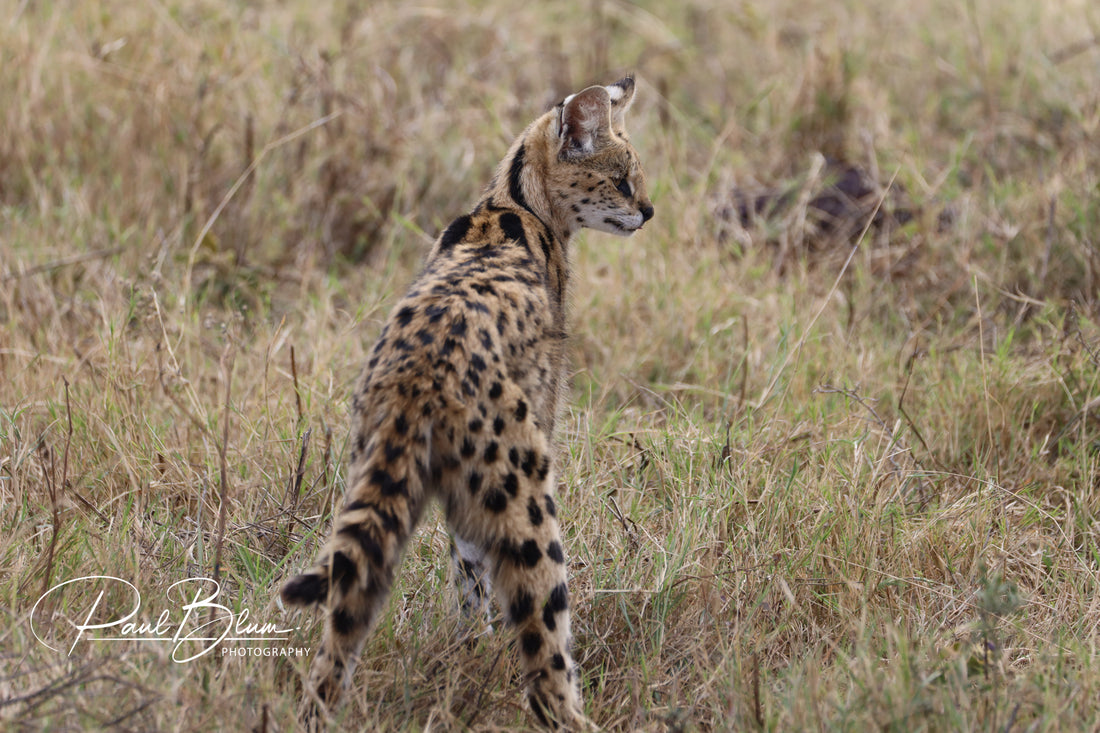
(840, 482)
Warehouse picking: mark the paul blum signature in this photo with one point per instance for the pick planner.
(195, 626)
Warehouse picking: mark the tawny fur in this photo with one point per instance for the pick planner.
(459, 397)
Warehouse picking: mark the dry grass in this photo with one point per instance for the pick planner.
(806, 485)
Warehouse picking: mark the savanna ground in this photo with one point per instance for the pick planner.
(805, 484)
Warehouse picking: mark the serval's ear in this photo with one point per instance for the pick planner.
(585, 119)
(622, 95)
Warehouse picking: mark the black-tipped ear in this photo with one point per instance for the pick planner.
(585, 116)
(305, 590)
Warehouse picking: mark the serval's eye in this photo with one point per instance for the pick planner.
(624, 188)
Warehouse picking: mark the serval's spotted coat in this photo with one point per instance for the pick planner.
(459, 397)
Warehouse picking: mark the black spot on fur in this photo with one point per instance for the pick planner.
(394, 451)
(495, 391)
(559, 601)
(390, 522)
(559, 598)
(545, 242)
(475, 425)
(343, 622)
(515, 181)
(458, 328)
(530, 458)
(386, 483)
(526, 554)
(544, 468)
(388, 519)
(486, 339)
(511, 484)
(344, 571)
(474, 379)
(435, 312)
(475, 482)
(468, 448)
(498, 425)
(553, 551)
(401, 425)
(557, 662)
(521, 608)
(367, 543)
(496, 501)
(521, 411)
(405, 315)
(513, 456)
(534, 513)
(478, 363)
(512, 227)
(529, 553)
(531, 643)
(454, 233)
(492, 452)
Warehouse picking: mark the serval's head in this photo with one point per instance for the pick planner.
(582, 169)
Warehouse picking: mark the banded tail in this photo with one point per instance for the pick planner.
(355, 568)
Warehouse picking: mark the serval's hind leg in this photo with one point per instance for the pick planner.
(472, 581)
(512, 518)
